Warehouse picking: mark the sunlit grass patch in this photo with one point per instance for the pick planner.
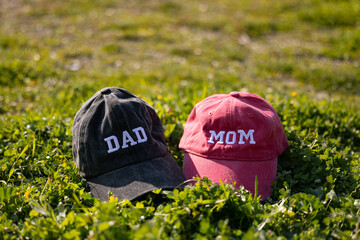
(332, 13)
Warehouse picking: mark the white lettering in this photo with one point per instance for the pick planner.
(231, 137)
(127, 138)
(215, 136)
(137, 132)
(109, 141)
(114, 145)
(233, 140)
(247, 136)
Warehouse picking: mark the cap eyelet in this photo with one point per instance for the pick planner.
(250, 115)
(210, 113)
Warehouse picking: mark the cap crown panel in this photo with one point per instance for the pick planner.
(116, 129)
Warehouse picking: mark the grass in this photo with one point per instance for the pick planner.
(301, 56)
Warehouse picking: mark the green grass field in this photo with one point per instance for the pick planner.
(301, 56)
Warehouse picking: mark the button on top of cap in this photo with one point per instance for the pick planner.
(234, 94)
(106, 91)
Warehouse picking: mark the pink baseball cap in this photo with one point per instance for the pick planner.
(234, 137)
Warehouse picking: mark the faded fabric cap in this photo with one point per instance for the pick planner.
(235, 137)
(119, 146)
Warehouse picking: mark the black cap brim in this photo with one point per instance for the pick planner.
(133, 181)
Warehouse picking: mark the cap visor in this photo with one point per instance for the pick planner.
(230, 171)
(133, 181)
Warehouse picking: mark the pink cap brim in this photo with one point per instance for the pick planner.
(229, 171)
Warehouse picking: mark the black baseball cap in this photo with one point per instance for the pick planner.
(119, 146)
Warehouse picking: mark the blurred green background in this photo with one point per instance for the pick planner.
(57, 53)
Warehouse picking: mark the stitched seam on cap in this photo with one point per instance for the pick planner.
(83, 125)
(134, 163)
(226, 159)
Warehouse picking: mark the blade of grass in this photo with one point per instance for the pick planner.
(13, 166)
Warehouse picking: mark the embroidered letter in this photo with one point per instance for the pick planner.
(220, 136)
(233, 140)
(247, 136)
(127, 138)
(137, 132)
(110, 140)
